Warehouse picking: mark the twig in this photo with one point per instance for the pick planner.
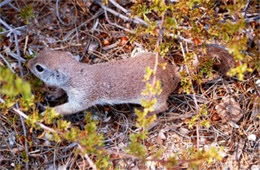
(124, 155)
(15, 33)
(181, 38)
(12, 6)
(121, 15)
(119, 7)
(248, 18)
(246, 7)
(193, 95)
(58, 15)
(20, 113)
(123, 28)
(136, 20)
(126, 11)
(11, 30)
(187, 70)
(100, 12)
(25, 44)
(39, 124)
(5, 2)
(121, 134)
(15, 56)
(157, 46)
(198, 135)
(95, 25)
(7, 63)
(91, 163)
(25, 141)
(17, 29)
(2, 100)
(163, 162)
(255, 18)
(18, 54)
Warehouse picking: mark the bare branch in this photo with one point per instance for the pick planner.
(119, 7)
(97, 14)
(15, 56)
(17, 29)
(91, 163)
(25, 142)
(58, 15)
(15, 33)
(22, 115)
(193, 96)
(123, 28)
(5, 2)
(17, 111)
(128, 13)
(7, 63)
(121, 16)
(136, 20)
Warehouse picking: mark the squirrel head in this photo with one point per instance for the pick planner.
(50, 66)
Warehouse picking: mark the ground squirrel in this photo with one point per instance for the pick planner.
(115, 82)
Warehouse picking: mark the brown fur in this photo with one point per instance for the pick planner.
(113, 82)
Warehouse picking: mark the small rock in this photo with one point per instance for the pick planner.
(252, 137)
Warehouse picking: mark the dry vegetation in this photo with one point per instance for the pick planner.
(219, 111)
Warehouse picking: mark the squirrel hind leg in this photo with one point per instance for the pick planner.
(160, 107)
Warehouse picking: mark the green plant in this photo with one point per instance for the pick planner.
(227, 33)
(27, 13)
(1, 30)
(143, 119)
(200, 118)
(15, 90)
(239, 71)
(152, 88)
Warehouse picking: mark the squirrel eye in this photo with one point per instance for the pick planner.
(39, 68)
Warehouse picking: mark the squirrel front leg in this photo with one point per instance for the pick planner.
(70, 108)
(77, 101)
